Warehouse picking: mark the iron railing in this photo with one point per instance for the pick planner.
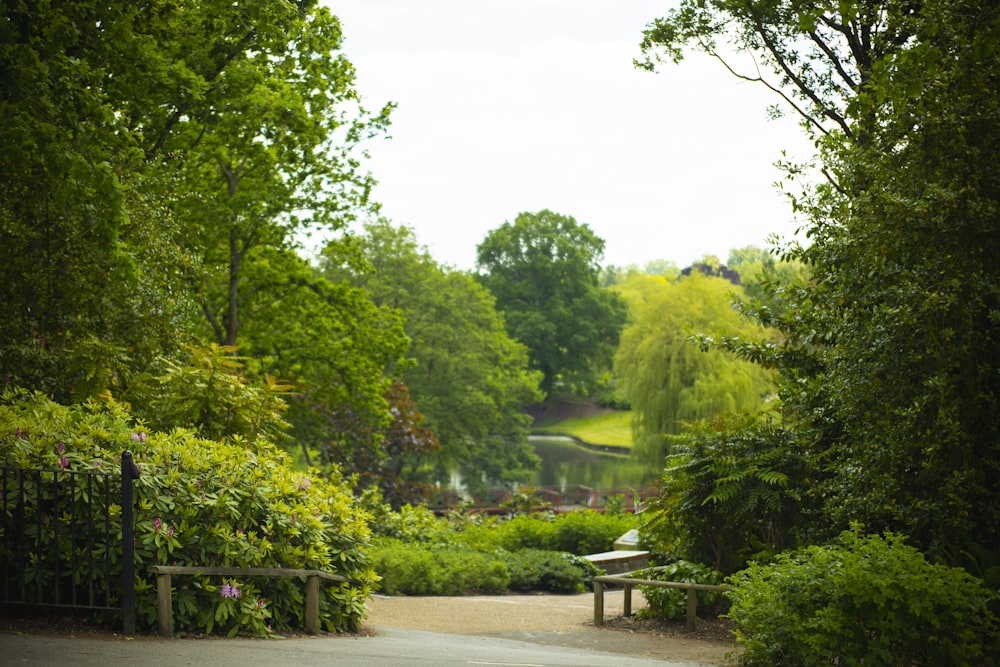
(59, 540)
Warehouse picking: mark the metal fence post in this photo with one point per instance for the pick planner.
(129, 472)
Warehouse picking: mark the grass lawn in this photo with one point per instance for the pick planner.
(610, 428)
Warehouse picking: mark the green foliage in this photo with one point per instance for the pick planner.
(667, 377)
(671, 603)
(416, 550)
(391, 457)
(468, 377)
(554, 571)
(164, 161)
(866, 600)
(732, 491)
(448, 569)
(889, 352)
(202, 502)
(817, 56)
(210, 394)
(580, 533)
(411, 524)
(543, 269)
(408, 569)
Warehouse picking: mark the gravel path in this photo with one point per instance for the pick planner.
(561, 620)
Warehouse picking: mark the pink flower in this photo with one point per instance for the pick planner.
(139, 437)
(170, 531)
(60, 448)
(64, 462)
(156, 524)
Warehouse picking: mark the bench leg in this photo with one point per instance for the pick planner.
(692, 609)
(627, 610)
(312, 605)
(164, 608)
(598, 603)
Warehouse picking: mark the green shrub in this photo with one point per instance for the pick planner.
(202, 502)
(414, 569)
(412, 523)
(866, 600)
(579, 533)
(590, 532)
(558, 572)
(671, 603)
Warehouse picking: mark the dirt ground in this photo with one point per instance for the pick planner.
(565, 620)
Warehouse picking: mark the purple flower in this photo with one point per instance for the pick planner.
(139, 437)
(303, 483)
(64, 462)
(170, 531)
(156, 524)
(228, 591)
(60, 448)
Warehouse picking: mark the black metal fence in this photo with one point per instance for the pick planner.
(62, 535)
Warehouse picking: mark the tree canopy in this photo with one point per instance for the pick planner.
(470, 380)
(543, 269)
(161, 163)
(889, 352)
(669, 379)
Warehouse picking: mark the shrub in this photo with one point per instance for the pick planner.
(671, 603)
(590, 532)
(866, 600)
(201, 502)
(539, 570)
(580, 533)
(408, 569)
(412, 523)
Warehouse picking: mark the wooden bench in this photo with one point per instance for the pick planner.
(618, 561)
(164, 603)
(628, 580)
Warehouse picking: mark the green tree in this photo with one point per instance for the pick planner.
(668, 377)
(162, 157)
(822, 56)
(889, 356)
(543, 270)
(91, 282)
(733, 491)
(469, 378)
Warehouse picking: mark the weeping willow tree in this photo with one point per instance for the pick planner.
(669, 377)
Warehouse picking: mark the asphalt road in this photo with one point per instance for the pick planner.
(391, 647)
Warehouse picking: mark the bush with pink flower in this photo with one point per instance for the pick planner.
(205, 502)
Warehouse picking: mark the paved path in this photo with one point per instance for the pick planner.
(522, 631)
(391, 648)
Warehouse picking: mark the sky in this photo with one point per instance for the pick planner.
(510, 106)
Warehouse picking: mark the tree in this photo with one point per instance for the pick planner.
(266, 132)
(543, 270)
(91, 285)
(731, 493)
(469, 378)
(668, 377)
(394, 457)
(889, 356)
(165, 157)
(823, 55)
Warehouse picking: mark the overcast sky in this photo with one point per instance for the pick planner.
(507, 106)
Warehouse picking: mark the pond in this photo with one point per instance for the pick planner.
(566, 463)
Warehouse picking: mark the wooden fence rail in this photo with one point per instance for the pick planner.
(164, 602)
(630, 579)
